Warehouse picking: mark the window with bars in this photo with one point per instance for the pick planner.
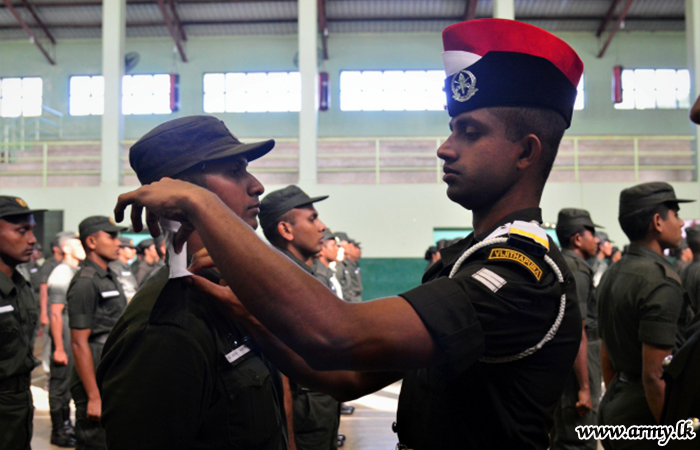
(655, 89)
(141, 94)
(21, 96)
(249, 92)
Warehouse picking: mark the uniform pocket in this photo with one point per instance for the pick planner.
(253, 416)
(10, 336)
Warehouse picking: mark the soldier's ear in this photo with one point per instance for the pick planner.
(91, 242)
(285, 230)
(531, 151)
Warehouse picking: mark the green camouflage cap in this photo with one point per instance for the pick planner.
(14, 206)
(177, 145)
(572, 217)
(645, 195)
(281, 201)
(93, 224)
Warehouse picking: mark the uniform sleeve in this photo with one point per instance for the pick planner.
(155, 397)
(490, 308)
(659, 315)
(58, 285)
(583, 289)
(82, 298)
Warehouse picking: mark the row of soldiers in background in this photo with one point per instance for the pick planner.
(291, 223)
(79, 298)
(332, 258)
(50, 280)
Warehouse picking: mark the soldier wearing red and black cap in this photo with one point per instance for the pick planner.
(19, 318)
(484, 345)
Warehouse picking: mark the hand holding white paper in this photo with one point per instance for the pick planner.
(177, 262)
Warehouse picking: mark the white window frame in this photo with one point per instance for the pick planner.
(392, 90)
(673, 97)
(135, 101)
(15, 98)
(251, 92)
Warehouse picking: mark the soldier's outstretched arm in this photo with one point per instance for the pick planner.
(329, 334)
(343, 385)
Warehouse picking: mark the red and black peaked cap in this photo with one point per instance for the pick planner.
(500, 62)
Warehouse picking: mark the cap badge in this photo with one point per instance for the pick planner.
(21, 202)
(463, 86)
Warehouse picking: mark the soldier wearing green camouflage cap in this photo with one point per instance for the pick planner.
(95, 301)
(579, 403)
(640, 299)
(19, 318)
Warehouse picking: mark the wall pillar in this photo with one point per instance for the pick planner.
(113, 35)
(308, 68)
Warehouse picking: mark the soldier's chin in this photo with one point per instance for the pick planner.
(454, 194)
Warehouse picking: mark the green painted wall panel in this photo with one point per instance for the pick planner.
(384, 277)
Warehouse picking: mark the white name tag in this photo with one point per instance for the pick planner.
(6, 309)
(109, 294)
(126, 274)
(237, 353)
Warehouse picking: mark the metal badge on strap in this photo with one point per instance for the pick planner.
(531, 237)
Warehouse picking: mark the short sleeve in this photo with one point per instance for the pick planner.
(659, 314)
(490, 308)
(58, 281)
(446, 312)
(81, 303)
(583, 289)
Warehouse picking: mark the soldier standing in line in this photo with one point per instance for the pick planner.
(19, 317)
(579, 403)
(291, 224)
(62, 431)
(348, 269)
(95, 302)
(690, 276)
(640, 300)
(120, 266)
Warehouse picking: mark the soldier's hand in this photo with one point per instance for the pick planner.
(44, 318)
(225, 299)
(584, 404)
(167, 198)
(60, 357)
(201, 260)
(94, 409)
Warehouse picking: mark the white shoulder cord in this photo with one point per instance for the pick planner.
(562, 304)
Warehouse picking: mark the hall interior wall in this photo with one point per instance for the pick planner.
(390, 220)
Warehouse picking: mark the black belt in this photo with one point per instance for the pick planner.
(592, 335)
(15, 384)
(627, 377)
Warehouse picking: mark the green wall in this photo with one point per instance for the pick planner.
(384, 277)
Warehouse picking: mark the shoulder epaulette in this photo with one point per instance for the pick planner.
(670, 273)
(87, 272)
(527, 236)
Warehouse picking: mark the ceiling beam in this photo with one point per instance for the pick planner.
(607, 18)
(143, 2)
(323, 27)
(31, 10)
(470, 10)
(26, 28)
(65, 26)
(618, 24)
(176, 19)
(172, 29)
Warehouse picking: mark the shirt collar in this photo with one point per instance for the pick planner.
(100, 271)
(8, 284)
(639, 250)
(571, 253)
(299, 262)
